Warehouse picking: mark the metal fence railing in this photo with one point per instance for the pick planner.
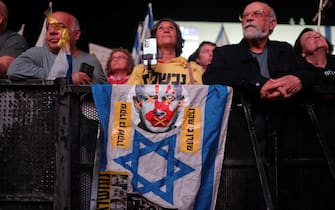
(278, 155)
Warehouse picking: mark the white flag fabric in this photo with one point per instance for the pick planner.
(21, 29)
(143, 32)
(163, 145)
(222, 38)
(60, 66)
(41, 38)
(101, 52)
(147, 23)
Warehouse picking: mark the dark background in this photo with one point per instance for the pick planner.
(114, 23)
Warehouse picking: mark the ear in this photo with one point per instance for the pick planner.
(273, 24)
(76, 34)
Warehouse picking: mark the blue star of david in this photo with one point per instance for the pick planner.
(130, 162)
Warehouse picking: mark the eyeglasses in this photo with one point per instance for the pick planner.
(256, 14)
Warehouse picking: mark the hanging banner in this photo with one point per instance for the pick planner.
(163, 145)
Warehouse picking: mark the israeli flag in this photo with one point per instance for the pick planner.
(163, 144)
(143, 32)
(222, 38)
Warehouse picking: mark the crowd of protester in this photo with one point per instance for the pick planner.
(268, 70)
(271, 79)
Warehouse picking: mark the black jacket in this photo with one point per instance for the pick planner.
(233, 65)
(317, 76)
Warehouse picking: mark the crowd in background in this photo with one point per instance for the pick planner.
(268, 70)
(120, 69)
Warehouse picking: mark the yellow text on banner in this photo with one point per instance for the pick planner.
(121, 125)
(106, 185)
(190, 132)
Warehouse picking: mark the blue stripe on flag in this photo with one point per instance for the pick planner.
(69, 70)
(151, 16)
(328, 33)
(102, 97)
(217, 97)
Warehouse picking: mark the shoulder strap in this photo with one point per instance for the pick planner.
(190, 73)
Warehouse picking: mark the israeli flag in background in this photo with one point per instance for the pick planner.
(222, 38)
(176, 168)
(143, 32)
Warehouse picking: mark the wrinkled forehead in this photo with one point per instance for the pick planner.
(308, 34)
(119, 52)
(59, 18)
(166, 23)
(256, 6)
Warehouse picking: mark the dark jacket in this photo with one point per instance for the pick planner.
(233, 65)
(318, 76)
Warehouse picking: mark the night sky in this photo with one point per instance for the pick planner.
(114, 23)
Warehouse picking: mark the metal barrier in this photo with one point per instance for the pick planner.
(278, 155)
(48, 133)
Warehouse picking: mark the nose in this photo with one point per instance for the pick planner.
(52, 30)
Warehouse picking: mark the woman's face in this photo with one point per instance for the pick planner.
(119, 61)
(312, 41)
(166, 34)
